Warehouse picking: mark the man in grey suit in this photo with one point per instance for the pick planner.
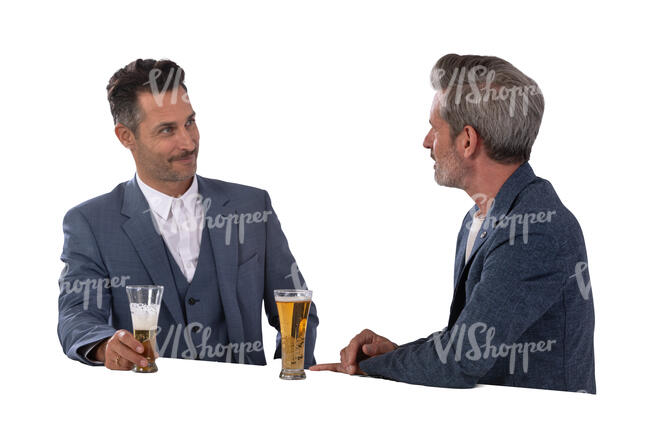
(216, 247)
(522, 312)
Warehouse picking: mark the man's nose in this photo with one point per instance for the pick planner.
(185, 140)
(428, 141)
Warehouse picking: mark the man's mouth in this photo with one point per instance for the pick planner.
(186, 159)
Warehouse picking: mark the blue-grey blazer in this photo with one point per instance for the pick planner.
(522, 312)
(110, 241)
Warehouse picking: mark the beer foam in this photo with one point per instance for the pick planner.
(293, 299)
(144, 316)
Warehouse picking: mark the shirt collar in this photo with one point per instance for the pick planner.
(161, 203)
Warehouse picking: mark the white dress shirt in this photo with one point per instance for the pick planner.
(180, 222)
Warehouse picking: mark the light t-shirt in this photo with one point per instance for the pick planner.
(477, 222)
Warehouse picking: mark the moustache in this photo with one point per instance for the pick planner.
(185, 155)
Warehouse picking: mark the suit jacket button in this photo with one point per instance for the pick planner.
(195, 329)
(483, 234)
(191, 301)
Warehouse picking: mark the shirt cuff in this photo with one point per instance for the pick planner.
(85, 351)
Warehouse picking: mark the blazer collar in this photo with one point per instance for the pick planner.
(519, 179)
(135, 202)
(161, 203)
(503, 201)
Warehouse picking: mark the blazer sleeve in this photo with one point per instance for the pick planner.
(519, 283)
(85, 294)
(281, 272)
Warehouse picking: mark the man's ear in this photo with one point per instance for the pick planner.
(126, 136)
(468, 142)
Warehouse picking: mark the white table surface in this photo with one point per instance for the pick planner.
(208, 402)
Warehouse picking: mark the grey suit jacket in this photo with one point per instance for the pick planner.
(522, 312)
(111, 241)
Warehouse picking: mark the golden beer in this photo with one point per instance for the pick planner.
(293, 309)
(148, 340)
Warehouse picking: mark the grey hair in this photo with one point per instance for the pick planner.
(501, 103)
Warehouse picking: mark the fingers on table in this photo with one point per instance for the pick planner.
(336, 367)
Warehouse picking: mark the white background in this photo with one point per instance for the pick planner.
(325, 105)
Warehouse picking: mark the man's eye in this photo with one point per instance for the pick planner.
(189, 122)
(166, 130)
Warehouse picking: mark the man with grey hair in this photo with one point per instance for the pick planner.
(522, 313)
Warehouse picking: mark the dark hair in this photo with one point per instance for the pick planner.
(138, 76)
(472, 90)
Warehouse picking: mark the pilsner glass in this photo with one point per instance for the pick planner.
(293, 308)
(145, 306)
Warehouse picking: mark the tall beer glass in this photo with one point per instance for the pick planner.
(145, 307)
(293, 308)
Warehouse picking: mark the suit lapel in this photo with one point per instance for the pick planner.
(459, 264)
(500, 208)
(483, 233)
(224, 242)
(148, 243)
(462, 266)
